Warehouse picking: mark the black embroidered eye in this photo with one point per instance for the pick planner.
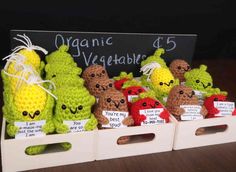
(122, 100)
(53, 76)
(110, 85)
(37, 112)
(80, 107)
(193, 93)
(197, 81)
(92, 75)
(140, 90)
(109, 100)
(103, 71)
(161, 83)
(157, 103)
(130, 91)
(63, 107)
(181, 92)
(209, 84)
(171, 81)
(97, 85)
(24, 113)
(144, 104)
(179, 67)
(216, 99)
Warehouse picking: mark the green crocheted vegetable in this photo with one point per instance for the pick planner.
(73, 104)
(130, 83)
(199, 79)
(30, 103)
(156, 57)
(150, 94)
(52, 70)
(67, 80)
(123, 75)
(61, 56)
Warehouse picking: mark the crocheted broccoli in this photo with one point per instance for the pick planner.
(147, 101)
(30, 104)
(178, 68)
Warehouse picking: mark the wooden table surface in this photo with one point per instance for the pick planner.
(214, 158)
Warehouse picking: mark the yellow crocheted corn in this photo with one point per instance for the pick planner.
(162, 79)
(30, 98)
(15, 81)
(32, 58)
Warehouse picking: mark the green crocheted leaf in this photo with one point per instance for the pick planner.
(130, 83)
(123, 75)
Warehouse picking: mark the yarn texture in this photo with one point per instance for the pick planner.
(178, 67)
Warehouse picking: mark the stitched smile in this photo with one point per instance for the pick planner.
(153, 106)
(74, 112)
(204, 86)
(167, 84)
(104, 88)
(32, 117)
(190, 96)
(116, 105)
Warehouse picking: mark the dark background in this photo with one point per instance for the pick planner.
(213, 20)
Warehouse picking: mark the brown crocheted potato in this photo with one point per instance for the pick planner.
(94, 71)
(98, 86)
(178, 68)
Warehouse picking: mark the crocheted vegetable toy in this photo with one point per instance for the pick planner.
(112, 100)
(121, 79)
(98, 86)
(27, 50)
(200, 80)
(52, 70)
(61, 56)
(182, 95)
(94, 71)
(132, 89)
(30, 103)
(209, 104)
(178, 68)
(147, 101)
(67, 80)
(73, 104)
(150, 63)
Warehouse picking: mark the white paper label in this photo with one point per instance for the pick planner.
(115, 119)
(200, 96)
(225, 108)
(76, 126)
(130, 97)
(152, 116)
(192, 112)
(30, 129)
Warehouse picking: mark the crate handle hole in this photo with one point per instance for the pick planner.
(49, 148)
(140, 138)
(211, 130)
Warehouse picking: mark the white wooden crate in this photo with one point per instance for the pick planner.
(185, 132)
(108, 148)
(15, 159)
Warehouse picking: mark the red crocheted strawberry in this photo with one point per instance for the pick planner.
(147, 103)
(209, 104)
(132, 91)
(119, 83)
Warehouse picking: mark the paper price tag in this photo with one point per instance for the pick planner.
(153, 116)
(30, 129)
(131, 97)
(76, 126)
(192, 112)
(200, 96)
(115, 119)
(225, 108)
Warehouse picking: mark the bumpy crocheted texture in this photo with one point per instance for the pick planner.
(156, 57)
(178, 68)
(61, 56)
(32, 58)
(64, 80)
(94, 71)
(146, 103)
(74, 103)
(130, 83)
(52, 70)
(111, 100)
(34, 150)
(98, 86)
(121, 79)
(182, 95)
(132, 90)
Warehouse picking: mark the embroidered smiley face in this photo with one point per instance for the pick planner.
(98, 86)
(178, 68)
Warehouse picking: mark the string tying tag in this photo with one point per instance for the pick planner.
(149, 68)
(27, 44)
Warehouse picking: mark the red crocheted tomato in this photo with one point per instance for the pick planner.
(133, 90)
(119, 83)
(146, 103)
(209, 104)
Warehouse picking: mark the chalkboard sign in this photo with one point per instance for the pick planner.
(115, 51)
